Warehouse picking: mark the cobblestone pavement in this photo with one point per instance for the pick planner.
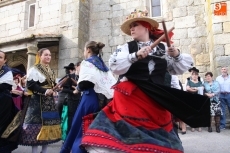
(193, 142)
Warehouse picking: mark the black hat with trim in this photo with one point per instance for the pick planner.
(70, 66)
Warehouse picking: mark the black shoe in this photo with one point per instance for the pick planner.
(218, 129)
(209, 129)
(183, 132)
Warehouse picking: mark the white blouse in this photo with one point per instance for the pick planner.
(8, 78)
(121, 60)
(35, 75)
(175, 82)
(103, 81)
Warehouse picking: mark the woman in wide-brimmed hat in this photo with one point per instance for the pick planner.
(135, 121)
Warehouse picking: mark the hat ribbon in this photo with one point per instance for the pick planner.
(157, 33)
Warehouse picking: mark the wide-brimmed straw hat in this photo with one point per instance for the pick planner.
(137, 15)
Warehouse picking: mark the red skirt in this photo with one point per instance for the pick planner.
(132, 122)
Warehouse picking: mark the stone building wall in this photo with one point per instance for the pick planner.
(190, 31)
(197, 31)
(14, 19)
(69, 18)
(186, 16)
(106, 16)
(218, 39)
(75, 31)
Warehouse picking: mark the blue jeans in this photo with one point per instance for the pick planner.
(224, 101)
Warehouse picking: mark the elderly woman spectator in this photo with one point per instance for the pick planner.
(212, 89)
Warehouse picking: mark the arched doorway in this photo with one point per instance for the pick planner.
(21, 68)
(17, 62)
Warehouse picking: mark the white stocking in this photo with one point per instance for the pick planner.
(34, 149)
(44, 148)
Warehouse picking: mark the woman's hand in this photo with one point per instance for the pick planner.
(59, 88)
(49, 92)
(143, 52)
(75, 91)
(17, 92)
(210, 95)
(26, 94)
(173, 52)
(54, 93)
(194, 89)
(74, 87)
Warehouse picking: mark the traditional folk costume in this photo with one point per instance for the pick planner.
(70, 104)
(94, 79)
(138, 120)
(8, 112)
(42, 122)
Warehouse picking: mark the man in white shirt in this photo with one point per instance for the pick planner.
(224, 81)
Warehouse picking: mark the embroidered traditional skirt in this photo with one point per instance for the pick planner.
(215, 108)
(42, 123)
(88, 104)
(132, 123)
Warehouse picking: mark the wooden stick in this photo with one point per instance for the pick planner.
(156, 42)
(74, 81)
(166, 34)
(60, 83)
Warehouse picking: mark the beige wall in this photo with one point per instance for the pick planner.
(197, 31)
(14, 19)
(187, 17)
(69, 18)
(219, 37)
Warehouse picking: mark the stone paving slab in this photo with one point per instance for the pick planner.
(52, 148)
(205, 142)
(193, 142)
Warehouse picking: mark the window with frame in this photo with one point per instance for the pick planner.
(31, 15)
(156, 8)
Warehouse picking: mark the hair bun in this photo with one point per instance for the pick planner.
(100, 45)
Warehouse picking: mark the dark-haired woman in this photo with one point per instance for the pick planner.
(7, 107)
(194, 86)
(133, 122)
(42, 122)
(94, 78)
(212, 89)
